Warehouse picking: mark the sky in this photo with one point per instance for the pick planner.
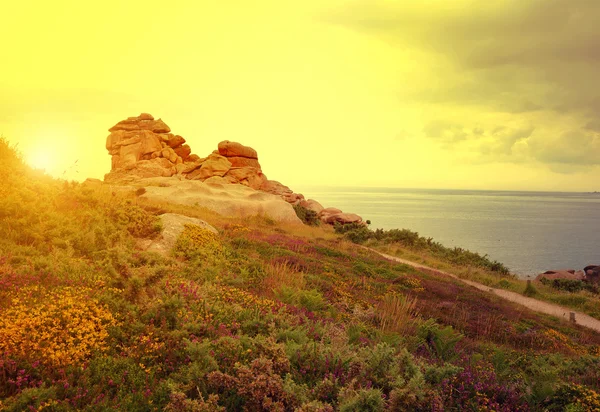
(459, 94)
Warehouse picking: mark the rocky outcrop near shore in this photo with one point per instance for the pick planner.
(590, 274)
(570, 274)
(143, 147)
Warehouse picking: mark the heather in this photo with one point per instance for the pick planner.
(259, 317)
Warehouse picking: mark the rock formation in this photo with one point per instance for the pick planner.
(592, 273)
(570, 274)
(224, 199)
(143, 147)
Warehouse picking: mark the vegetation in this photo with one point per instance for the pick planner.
(573, 294)
(458, 256)
(260, 317)
(307, 216)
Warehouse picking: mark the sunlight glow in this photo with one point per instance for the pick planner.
(42, 158)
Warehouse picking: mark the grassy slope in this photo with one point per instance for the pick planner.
(260, 317)
(583, 301)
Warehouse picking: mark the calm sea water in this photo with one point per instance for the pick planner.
(529, 232)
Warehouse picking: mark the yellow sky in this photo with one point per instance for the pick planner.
(438, 94)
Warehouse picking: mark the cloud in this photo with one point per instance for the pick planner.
(572, 147)
(447, 132)
(513, 56)
(499, 80)
(496, 141)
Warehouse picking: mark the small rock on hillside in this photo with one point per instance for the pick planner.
(172, 226)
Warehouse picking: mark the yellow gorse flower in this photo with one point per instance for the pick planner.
(59, 327)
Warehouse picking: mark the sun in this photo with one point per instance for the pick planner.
(42, 158)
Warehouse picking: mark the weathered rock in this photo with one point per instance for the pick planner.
(191, 166)
(143, 169)
(247, 176)
(592, 273)
(329, 211)
(220, 180)
(90, 181)
(342, 218)
(331, 215)
(234, 149)
(156, 126)
(313, 205)
(143, 147)
(129, 155)
(193, 158)
(214, 165)
(150, 142)
(235, 200)
(183, 151)
(570, 274)
(276, 188)
(138, 139)
(176, 141)
(129, 124)
(172, 226)
(293, 198)
(238, 161)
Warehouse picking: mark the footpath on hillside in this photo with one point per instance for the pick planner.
(531, 303)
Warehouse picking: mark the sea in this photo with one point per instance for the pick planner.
(529, 232)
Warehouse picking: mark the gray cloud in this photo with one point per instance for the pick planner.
(496, 143)
(535, 60)
(573, 147)
(514, 56)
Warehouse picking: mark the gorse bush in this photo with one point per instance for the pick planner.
(56, 328)
(138, 221)
(196, 241)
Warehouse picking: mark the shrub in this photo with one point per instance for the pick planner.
(361, 400)
(441, 341)
(570, 285)
(59, 328)
(252, 388)
(574, 397)
(180, 403)
(314, 406)
(138, 221)
(198, 242)
(10, 158)
(307, 216)
(476, 388)
(530, 290)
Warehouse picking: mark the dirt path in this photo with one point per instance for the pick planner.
(533, 304)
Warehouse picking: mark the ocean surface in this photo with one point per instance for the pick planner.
(529, 232)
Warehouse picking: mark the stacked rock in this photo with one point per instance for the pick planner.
(144, 147)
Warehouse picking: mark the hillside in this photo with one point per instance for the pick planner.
(261, 316)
